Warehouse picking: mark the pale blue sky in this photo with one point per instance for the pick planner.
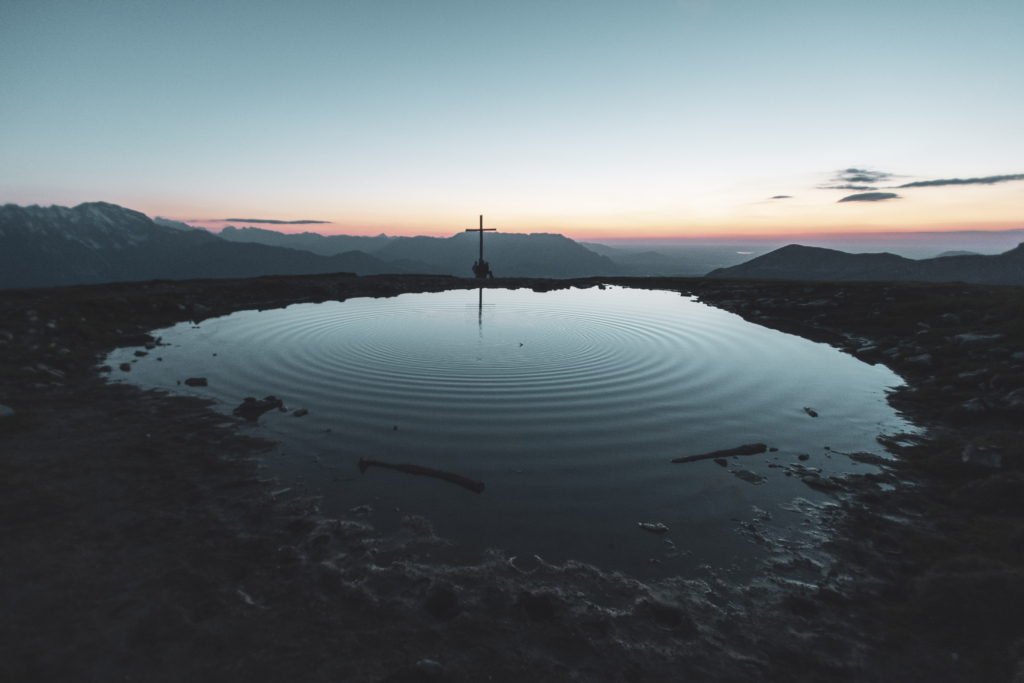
(411, 117)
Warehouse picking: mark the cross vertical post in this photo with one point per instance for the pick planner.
(481, 269)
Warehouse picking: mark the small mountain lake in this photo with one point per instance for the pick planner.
(568, 405)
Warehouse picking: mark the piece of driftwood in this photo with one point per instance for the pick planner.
(749, 449)
(465, 482)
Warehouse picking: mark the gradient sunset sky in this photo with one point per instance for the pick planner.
(664, 118)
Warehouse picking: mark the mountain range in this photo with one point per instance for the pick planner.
(796, 262)
(99, 242)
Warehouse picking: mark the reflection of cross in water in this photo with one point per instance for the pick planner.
(480, 311)
(480, 268)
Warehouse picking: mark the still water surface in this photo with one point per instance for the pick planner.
(568, 405)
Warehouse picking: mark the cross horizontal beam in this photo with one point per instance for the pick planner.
(482, 230)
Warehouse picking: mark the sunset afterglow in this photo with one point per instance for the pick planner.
(674, 119)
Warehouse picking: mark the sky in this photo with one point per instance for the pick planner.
(658, 119)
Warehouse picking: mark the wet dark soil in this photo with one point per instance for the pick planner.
(139, 541)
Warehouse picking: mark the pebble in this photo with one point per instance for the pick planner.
(429, 668)
(300, 412)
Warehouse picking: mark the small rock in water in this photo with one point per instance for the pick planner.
(251, 409)
(748, 476)
(803, 456)
(722, 461)
(125, 367)
(140, 354)
(300, 412)
(810, 412)
(395, 428)
(196, 382)
(653, 528)
(772, 450)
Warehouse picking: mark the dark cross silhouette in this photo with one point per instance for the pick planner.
(480, 268)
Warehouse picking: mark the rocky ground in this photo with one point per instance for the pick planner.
(138, 540)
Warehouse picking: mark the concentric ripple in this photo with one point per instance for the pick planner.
(568, 405)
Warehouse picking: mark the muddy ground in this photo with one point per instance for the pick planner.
(139, 541)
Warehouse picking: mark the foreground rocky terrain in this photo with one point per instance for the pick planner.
(139, 541)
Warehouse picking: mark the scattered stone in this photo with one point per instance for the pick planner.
(923, 359)
(1015, 399)
(6, 411)
(974, 340)
(748, 476)
(196, 382)
(973, 373)
(125, 367)
(773, 450)
(810, 412)
(982, 457)
(667, 615)
(300, 412)
(429, 669)
(658, 528)
(140, 354)
(803, 456)
(975, 405)
(722, 461)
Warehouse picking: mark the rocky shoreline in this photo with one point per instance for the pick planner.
(140, 542)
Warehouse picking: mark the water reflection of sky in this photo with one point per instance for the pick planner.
(568, 405)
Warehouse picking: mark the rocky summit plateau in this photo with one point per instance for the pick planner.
(141, 539)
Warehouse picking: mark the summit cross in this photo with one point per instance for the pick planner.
(481, 269)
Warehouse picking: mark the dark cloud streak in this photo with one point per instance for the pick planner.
(870, 197)
(267, 220)
(782, 196)
(988, 180)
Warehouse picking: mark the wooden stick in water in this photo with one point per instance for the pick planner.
(749, 449)
(465, 482)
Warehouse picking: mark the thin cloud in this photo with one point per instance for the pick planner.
(987, 180)
(266, 220)
(858, 188)
(869, 197)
